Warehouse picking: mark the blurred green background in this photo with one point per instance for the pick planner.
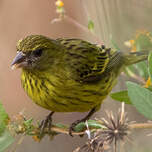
(117, 19)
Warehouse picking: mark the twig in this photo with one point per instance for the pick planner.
(66, 131)
(140, 126)
(84, 28)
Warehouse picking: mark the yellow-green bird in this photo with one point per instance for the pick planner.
(69, 75)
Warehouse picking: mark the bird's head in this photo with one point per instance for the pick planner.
(36, 52)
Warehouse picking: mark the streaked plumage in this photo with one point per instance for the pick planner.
(69, 75)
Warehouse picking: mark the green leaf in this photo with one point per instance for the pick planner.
(141, 98)
(142, 69)
(3, 119)
(121, 96)
(91, 123)
(5, 137)
(60, 125)
(150, 65)
(5, 140)
(28, 123)
(90, 25)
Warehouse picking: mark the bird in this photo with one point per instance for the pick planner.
(69, 74)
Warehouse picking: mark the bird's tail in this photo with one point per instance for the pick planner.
(135, 57)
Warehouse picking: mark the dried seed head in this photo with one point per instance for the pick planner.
(116, 130)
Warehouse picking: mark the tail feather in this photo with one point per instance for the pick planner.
(135, 57)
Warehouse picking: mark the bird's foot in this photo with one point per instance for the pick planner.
(46, 123)
(72, 126)
(92, 111)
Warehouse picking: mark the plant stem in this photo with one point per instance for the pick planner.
(84, 28)
(140, 126)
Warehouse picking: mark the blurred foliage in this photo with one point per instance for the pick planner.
(5, 137)
(3, 119)
(140, 98)
(139, 95)
(90, 25)
(142, 69)
(121, 96)
(5, 140)
(150, 66)
(142, 42)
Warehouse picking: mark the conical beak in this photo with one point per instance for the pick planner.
(18, 61)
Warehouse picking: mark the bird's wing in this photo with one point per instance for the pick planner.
(86, 61)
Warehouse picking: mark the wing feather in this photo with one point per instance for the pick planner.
(86, 61)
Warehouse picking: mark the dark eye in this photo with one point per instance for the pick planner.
(37, 53)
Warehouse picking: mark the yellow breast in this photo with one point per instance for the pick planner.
(60, 95)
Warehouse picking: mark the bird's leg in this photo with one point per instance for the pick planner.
(81, 120)
(46, 123)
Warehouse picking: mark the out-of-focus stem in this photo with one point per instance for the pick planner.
(140, 126)
(84, 28)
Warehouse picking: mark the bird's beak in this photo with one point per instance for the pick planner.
(18, 61)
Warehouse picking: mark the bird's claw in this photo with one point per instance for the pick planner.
(46, 123)
(72, 126)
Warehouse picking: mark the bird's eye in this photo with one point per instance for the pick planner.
(37, 53)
